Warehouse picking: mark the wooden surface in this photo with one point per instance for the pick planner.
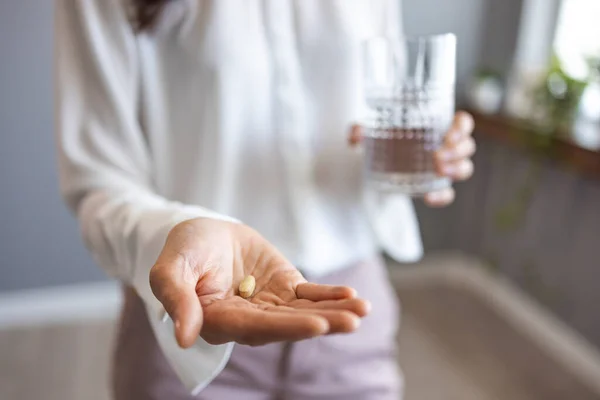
(577, 149)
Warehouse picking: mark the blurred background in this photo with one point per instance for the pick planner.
(505, 304)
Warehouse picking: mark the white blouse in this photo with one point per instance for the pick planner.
(235, 109)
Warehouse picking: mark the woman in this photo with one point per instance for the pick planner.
(178, 119)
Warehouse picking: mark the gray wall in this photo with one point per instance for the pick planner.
(462, 17)
(500, 33)
(39, 243)
(487, 30)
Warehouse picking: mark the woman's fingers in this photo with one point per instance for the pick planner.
(340, 321)
(453, 159)
(359, 307)
(450, 152)
(458, 170)
(458, 142)
(440, 198)
(462, 127)
(257, 324)
(254, 326)
(316, 292)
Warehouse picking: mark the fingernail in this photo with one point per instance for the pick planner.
(436, 196)
(323, 326)
(368, 306)
(355, 323)
(177, 325)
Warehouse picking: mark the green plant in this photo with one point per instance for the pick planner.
(556, 98)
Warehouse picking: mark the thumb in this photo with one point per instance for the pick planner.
(180, 301)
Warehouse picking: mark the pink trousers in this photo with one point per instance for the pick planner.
(358, 366)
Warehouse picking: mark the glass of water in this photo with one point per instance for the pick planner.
(409, 89)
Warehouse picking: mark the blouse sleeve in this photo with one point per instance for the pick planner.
(106, 168)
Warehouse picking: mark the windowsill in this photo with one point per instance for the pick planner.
(577, 149)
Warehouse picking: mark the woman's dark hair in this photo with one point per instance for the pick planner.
(145, 13)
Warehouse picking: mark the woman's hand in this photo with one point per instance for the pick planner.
(196, 278)
(453, 159)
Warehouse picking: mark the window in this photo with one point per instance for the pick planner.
(578, 35)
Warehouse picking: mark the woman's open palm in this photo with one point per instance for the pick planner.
(197, 275)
